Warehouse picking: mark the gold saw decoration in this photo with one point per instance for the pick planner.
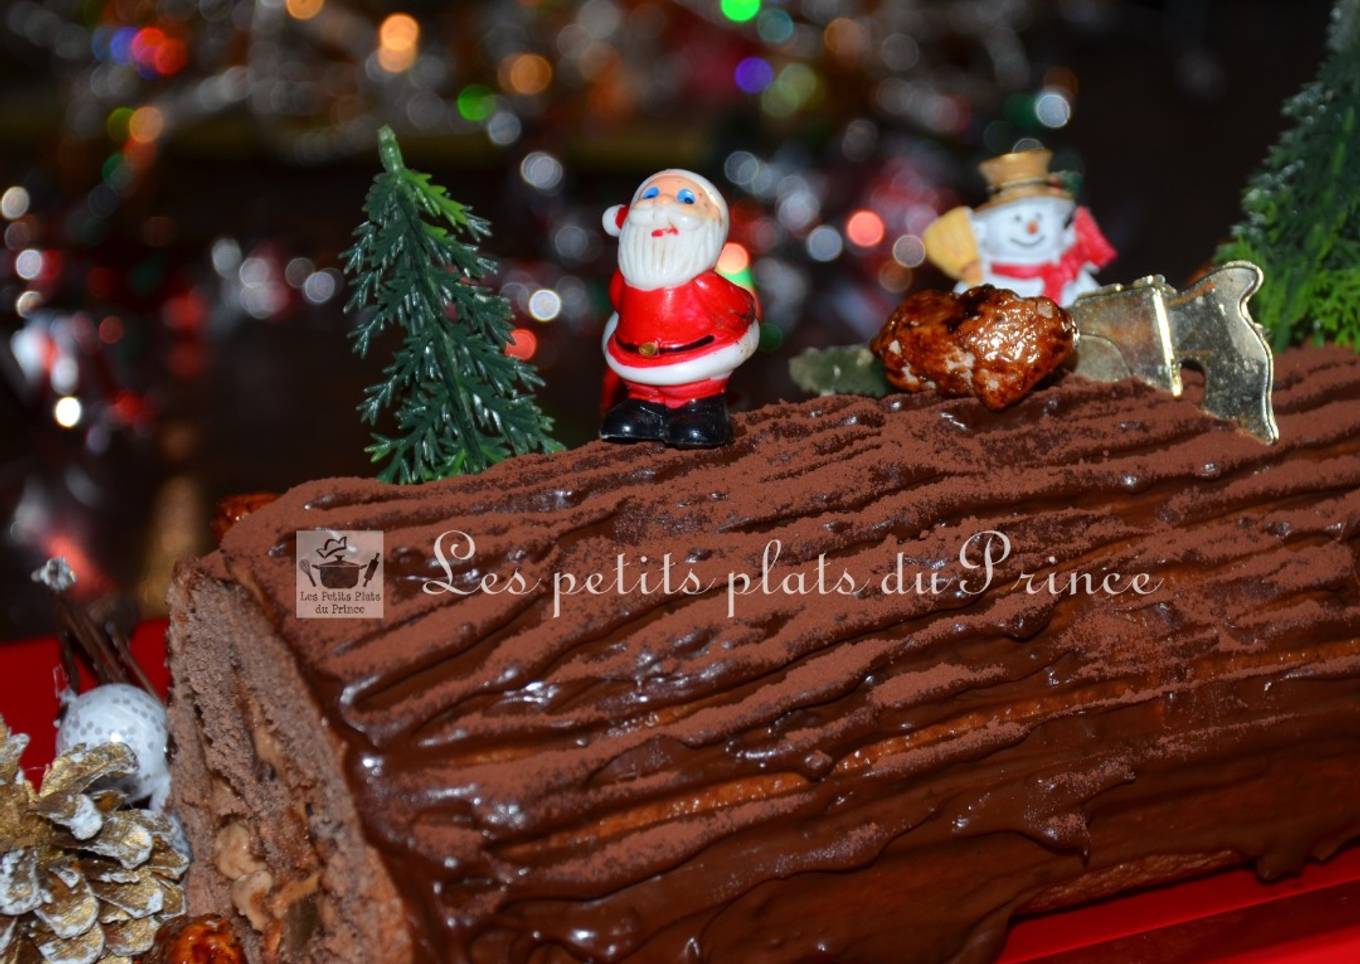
(83, 879)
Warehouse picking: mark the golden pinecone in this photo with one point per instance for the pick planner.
(82, 879)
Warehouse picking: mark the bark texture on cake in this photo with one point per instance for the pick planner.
(642, 777)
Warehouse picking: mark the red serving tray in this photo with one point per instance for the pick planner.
(1313, 918)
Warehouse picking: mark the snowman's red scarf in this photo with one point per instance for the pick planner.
(1091, 247)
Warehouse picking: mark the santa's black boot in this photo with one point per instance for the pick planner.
(634, 421)
(700, 424)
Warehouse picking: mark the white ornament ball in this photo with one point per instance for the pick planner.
(120, 713)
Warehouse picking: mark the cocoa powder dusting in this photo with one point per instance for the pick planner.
(643, 777)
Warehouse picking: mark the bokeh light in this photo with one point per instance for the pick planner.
(398, 42)
(545, 304)
(67, 411)
(144, 44)
(476, 102)
(794, 88)
(526, 74)
(541, 170)
(14, 202)
(27, 303)
(304, 9)
(740, 10)
(153, 50)
(864, 229)
(504, 128)
(846, 39)
(64, 373)
(145, 124)
(909, 251)
(824, 243)
(120, 44)
(899, 51)
(894, 277)
(753, 74)
(170, 57)
(523, 344)
(28, 264)
(775, 26)
(320, 287)
(116, 124)
(399, 31)
(297, 270)
(1052, 108)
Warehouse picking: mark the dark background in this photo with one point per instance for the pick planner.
(1174, 104)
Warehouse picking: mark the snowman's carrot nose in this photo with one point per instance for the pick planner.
(1032, 227)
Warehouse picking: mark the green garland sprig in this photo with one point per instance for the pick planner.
(1301, 210)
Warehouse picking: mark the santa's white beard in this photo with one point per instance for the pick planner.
(648, 262)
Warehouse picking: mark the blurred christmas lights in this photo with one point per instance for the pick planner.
(526, 74)
(541, 170)
(67, 411)
(842, 90)
(909, 251)
(14, 203)
(545, 304)
(824, 243)
(523, 344)
(864, 229)
(304, 9)
(754, 74)
(740, 10)
(398, 39)
(476, 102)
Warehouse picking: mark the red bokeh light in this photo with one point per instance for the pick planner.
(523, 344)
(865, 229)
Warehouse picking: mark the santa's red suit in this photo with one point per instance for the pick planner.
(675, 345)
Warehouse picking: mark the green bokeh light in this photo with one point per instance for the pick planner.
(771, 337)
(117, 123)
(775, 26)
(476, 102)
(740, 10)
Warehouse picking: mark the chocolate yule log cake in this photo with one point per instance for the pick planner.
(884, 760)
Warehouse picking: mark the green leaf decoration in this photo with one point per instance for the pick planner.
(846, 370)
(459, 403)
(1301, 210)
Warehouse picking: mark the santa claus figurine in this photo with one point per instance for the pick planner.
(1029, 236)
(679, 329)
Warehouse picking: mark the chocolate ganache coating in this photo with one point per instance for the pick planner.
(856, 773)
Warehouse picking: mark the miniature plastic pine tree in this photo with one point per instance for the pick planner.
(460, 402)
(1302, 209)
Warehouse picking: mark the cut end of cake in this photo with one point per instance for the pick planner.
(258, 783)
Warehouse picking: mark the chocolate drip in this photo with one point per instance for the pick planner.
(645, 778)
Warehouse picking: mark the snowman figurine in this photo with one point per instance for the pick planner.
(1030, 236)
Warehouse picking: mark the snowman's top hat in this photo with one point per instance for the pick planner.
(1020, 174)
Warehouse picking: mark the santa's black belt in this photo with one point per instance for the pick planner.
(649, 348)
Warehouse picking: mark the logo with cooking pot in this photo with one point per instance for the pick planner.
(339, 574)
